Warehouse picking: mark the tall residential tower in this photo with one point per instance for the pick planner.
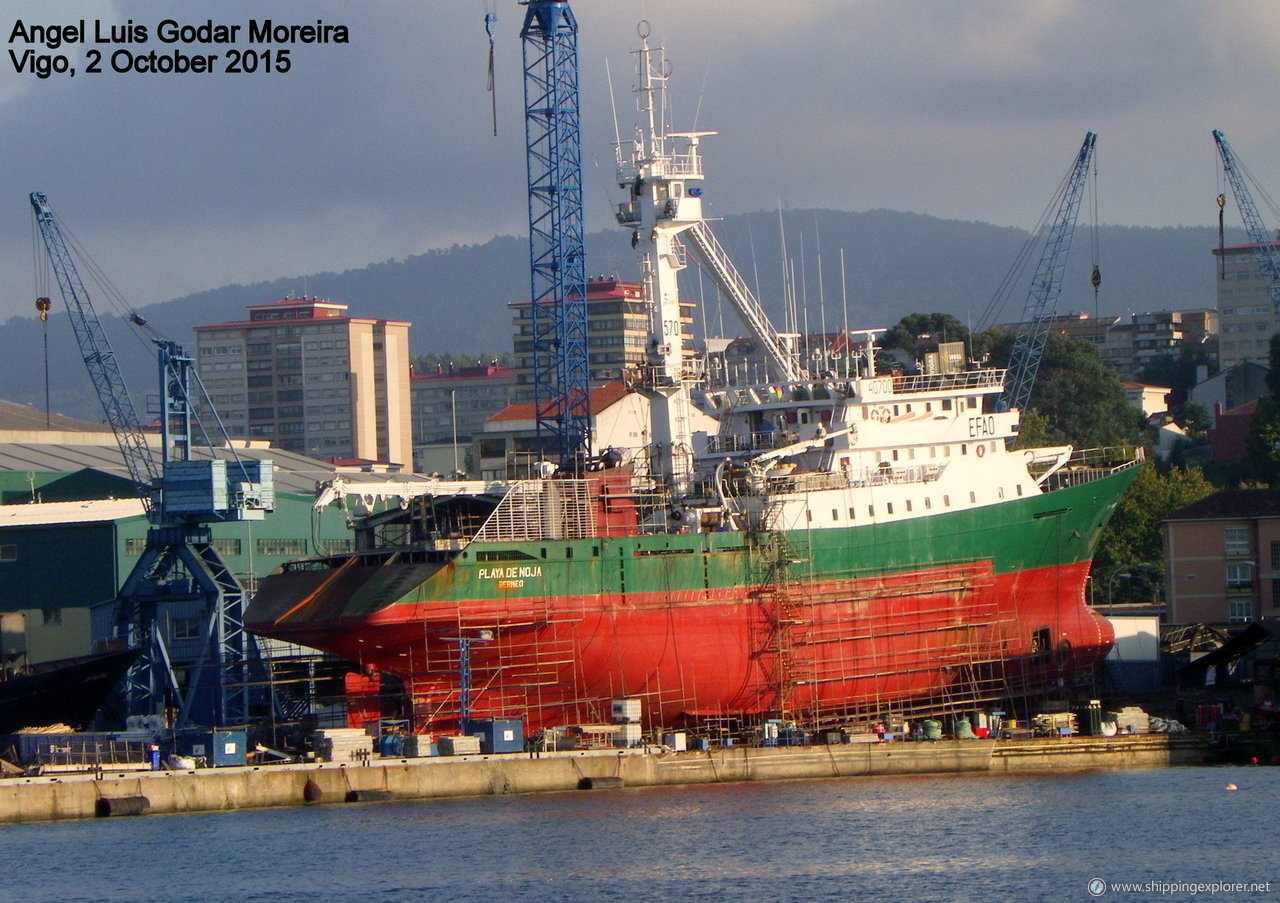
(303, 374)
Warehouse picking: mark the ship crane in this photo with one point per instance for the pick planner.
(1046, 286)
(1264, 247)
(182, 497)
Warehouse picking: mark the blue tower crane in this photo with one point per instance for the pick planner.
(182, 497)
(1046, 286)
(100, 360)
(1264, 249)
(561, 376)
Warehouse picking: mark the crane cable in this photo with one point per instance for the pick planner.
(43, 306)
(1222, 239)
(1095, 278)
(491, 17)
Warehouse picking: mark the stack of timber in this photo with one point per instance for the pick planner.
(343, 744)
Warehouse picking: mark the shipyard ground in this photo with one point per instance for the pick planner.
(25, 799)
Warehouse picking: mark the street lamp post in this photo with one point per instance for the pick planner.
(1117, 575)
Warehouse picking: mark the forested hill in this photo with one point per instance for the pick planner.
(893, 264)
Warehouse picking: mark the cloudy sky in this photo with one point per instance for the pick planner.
(383, 147)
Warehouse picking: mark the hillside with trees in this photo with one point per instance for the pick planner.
(893, 264)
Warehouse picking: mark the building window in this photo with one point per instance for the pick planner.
(52, 616)
(135, 546)
(1240, 611)
(1236, 540)
(8, 552)
(338, 546)
(286, 547)
(226, 546)
(1239, 576)
(1275, 556)
(184, 629)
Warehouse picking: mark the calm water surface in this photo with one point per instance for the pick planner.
(921, 838)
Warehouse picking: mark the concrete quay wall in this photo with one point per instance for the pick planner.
(1076, 753)
(85, 796)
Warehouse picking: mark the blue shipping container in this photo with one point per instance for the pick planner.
(218, 748)
(498, 735)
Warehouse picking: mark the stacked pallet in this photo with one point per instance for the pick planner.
(458, 746)
(343, 744)
(416, 745)
(1131, 716)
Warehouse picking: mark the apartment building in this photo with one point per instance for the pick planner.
(1222, 558)
(1245, 307)
(618, 332)
(303, 374)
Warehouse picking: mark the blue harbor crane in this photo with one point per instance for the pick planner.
(1264, 248)
(561, 375)
(1046, 286)
(182, 497)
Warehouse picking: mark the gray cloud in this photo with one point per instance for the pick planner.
(383, 147)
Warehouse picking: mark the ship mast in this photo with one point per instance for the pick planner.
(656, 171)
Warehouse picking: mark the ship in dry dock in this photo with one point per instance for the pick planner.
(838, 547)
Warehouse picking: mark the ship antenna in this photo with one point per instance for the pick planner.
(804, 295)
(617, 134)
(844, 305)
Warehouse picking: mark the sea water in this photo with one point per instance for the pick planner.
(1169, 834)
